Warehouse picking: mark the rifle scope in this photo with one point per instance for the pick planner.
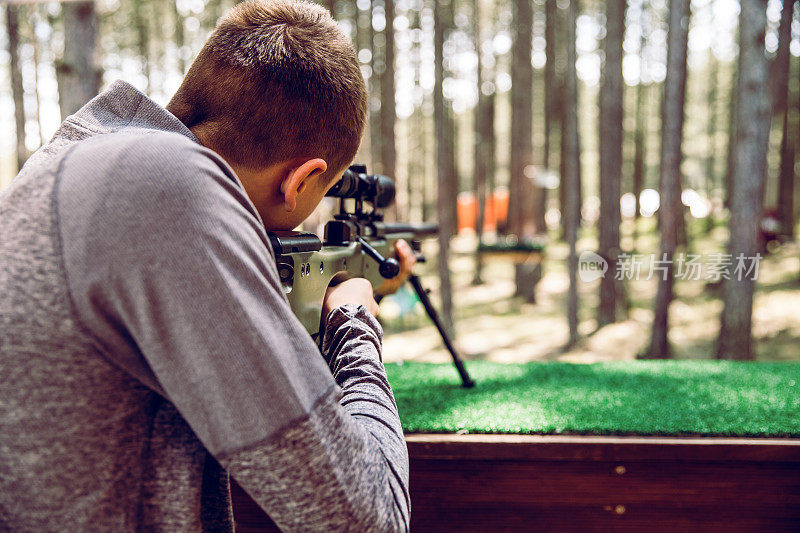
(356, 183)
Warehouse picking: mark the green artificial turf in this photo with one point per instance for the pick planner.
(632, 398)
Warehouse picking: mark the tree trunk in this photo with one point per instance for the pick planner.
(786, 178)
(388, 105)
(446, 194)
(779, 68)
(640, 136)
(212, 12)
(670, 176)
(550, 90)
(363, 40)
(479, 185)
(523, 199)
(780, 91)
(796, 142)
(77, 73)
(639, 146)
(611, 94)
(736, 88)
(539, 207)
(416, 138)
(520, 190)
(556, 25)
(735, 341)
(180, 36)
(451, 138)
(37, 59)
(570, 169)
(711, 133)
(140, 20)
(374, 91)
(484, 132)
(425, 197)
(491, 141)
(17, 90)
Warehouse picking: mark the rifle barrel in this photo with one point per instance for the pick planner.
(420, 229)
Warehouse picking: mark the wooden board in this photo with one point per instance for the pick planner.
(552, 483)
(513, 256)
(576, 483)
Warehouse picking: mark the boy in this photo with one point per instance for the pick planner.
(146, 347)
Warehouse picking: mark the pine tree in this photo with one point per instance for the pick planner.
(446, 192)
(611, 102)
(78, 76)
(753, 118)
(672, 110)
(17, 91)
(570, 170)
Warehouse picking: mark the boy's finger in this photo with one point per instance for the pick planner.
(407, 256)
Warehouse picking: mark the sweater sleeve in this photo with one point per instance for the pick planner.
(373, 497)
(170, 270)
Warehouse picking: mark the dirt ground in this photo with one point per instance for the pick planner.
(491, 324)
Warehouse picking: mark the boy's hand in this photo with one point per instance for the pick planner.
(407, 259)
(356, 291)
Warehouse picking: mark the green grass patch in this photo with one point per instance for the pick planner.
(616, 398)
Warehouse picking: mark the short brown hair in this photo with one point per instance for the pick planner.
(277, 79)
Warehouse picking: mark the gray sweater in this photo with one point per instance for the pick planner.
(147, 349)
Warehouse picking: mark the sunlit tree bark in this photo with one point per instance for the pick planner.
(179, 35)
(611, 102)
(78, 76)
(523, 199)
(520, 206)
(570, 170)
(479, 184)
(141, 22)
(374, 83)
(733, 99)
(37, 60)
(780, 91)
(17, 91)
(388, 105)
(415, 138)
(640, 136)
(551, 92)
(752, 139)
(672, 111)
(711, 131)
(446, 192)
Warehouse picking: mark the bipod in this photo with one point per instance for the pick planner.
(422, 294)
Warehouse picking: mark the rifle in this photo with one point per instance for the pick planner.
(357, 243)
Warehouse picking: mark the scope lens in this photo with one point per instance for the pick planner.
(373, 188)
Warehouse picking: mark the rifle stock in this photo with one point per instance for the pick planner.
(357, 243)
(306, 266)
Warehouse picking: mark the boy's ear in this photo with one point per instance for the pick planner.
(296, 180)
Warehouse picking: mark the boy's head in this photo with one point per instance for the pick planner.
(277, 90)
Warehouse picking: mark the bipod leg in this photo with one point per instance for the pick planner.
(422, 294)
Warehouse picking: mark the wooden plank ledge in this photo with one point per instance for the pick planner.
(479, 482)
(598, 447)
(603, 483)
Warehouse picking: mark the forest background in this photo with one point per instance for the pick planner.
(646, 132)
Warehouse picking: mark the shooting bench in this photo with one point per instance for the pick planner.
(527, 256)
(634, 446)
(516, 251)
